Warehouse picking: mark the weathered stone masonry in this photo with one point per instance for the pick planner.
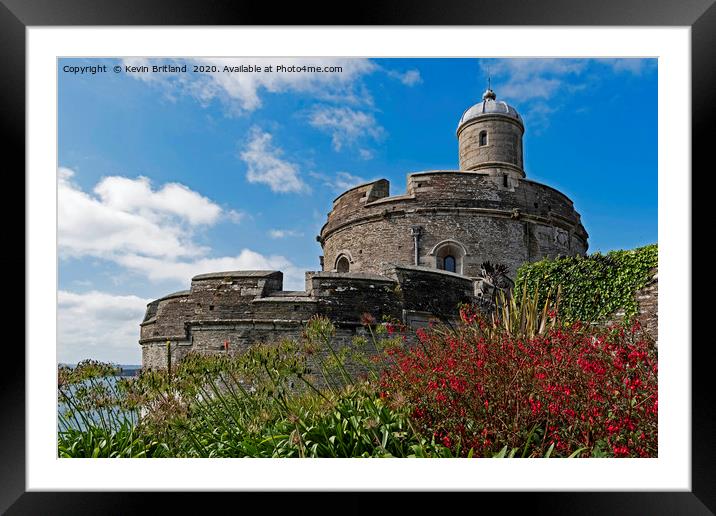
(412, 257)
(242, 308)
(482, 219)
(487, 211)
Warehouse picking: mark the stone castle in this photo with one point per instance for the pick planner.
(413, 257)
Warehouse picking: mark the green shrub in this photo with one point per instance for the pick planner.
(94, 442)
(592, 287)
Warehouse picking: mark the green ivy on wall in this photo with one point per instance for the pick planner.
(594, 286)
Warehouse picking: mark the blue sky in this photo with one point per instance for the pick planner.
(162, 176)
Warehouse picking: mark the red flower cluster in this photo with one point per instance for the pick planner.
(468, 314)
(573, 387)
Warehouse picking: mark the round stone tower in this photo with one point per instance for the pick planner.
(454, 220)
(490, 137)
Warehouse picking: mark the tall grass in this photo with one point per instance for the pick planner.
(95, 416)
(291, 399)
(519, 383)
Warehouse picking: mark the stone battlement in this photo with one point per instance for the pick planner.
(245, 308)
(488, 215)
(411, 257)
(485, 193)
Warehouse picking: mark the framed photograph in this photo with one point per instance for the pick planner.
(175, 160)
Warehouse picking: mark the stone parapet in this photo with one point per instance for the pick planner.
(217, 313)
(490, 216)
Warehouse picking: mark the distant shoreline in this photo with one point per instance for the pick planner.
(124, 369)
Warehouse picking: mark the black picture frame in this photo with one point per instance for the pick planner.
(17, 15)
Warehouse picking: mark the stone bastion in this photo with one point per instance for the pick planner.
(471, 216)
(229, 311)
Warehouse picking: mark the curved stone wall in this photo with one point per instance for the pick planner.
(245, 308)
(485, 217)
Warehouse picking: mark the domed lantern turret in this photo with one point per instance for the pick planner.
(490, 137)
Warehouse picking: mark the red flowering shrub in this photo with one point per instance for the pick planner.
(573, 389)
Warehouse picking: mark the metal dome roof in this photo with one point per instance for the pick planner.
(489, 106)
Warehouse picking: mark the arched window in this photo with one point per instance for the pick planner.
(449, 256)
(449, 263)
(342, 264)
(483, 138)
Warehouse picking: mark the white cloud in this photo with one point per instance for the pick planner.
(265, 165)
(541, 78)
(365, 154)
(520, 80)
(534, 87)
(339, 182)
(539, 115)
(521, 68)
(284, 233)
(99, 324)
(235, 216)
(242, 91)
(150, 234)
(136, 196)
(345, 125)
(409, 78)
(345, 180)
(157, 269)
(153, 223)
(540, 87)
(634, 66)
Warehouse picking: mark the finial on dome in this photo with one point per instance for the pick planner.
(489, 94)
